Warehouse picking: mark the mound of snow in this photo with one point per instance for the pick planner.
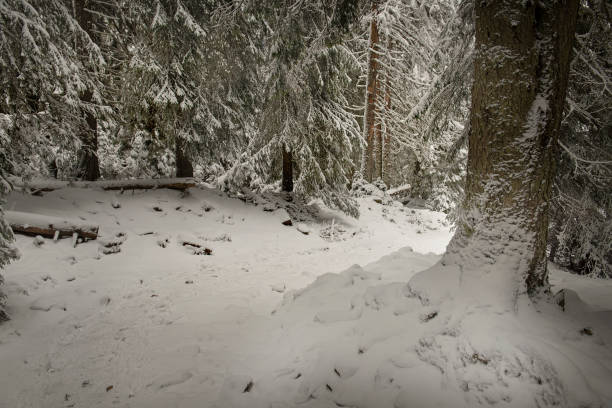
(363, 338)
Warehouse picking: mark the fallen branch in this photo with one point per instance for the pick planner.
(197, 248)
(50, 227)
(195, 245)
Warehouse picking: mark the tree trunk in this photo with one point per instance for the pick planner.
(521, 65)
(369, 117)
(183, 165)
(378, 130)
(89, 165)
(52, 168)
(386, 147)
(287, 170)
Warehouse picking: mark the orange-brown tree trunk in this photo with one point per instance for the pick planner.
(386, 155)
(378, 128)
(369, 121)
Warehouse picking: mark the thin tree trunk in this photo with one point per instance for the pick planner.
(287, 183)
(378, 129)
(520, 77)
(553, 234)
(183, 165)
(386, 154)
(369, 118)
(89, 165)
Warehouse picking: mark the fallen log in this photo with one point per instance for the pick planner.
(143, 184)
(38, 186)
(50, 227)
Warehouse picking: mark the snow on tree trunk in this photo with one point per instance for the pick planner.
(369, 117)
(520, 77)
(287, 170)
(183, 165)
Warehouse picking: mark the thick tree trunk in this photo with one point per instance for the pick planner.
(520, 77)
(369, 118)
(287, 183)
(183, 165)
(89, 165)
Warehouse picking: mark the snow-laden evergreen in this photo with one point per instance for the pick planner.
(7, 251)
(47, 62)
(310, 80)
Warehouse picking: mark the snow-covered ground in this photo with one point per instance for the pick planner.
(162, 326)
(265, 321)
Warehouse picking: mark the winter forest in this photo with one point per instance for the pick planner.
(305, 203)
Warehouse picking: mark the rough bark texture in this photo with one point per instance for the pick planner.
(287, 183)
(183, 165)
(89, 165)
(520, 77)
(368, 163)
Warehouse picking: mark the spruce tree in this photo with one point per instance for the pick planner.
(48, 63)
(511, 147)
(581, 217)
(309, 77)
(7, 251)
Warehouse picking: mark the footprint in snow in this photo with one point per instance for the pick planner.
(170, 380)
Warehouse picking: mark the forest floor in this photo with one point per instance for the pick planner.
(161, 324)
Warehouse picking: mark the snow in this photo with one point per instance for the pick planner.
(131, 319)
(277, 318)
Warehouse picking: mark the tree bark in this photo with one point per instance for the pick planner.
(378, 131)
(367, 162)
(89, 165)
(183, 165)
(287, 183)
(521, 70)
(386, 142)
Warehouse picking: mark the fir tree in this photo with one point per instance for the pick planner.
(44, 76)
(309, 75)
(7, 251)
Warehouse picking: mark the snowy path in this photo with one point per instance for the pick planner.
(161, 327)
